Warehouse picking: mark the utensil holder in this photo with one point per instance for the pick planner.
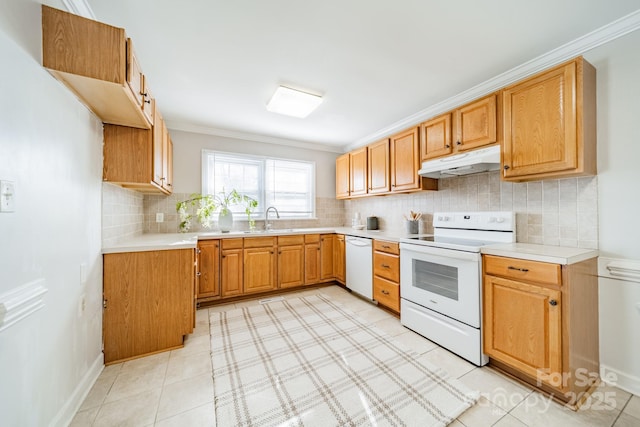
(413, 227)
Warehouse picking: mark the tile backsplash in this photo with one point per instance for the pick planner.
(122, 214)
(329, 213)
(557, 212)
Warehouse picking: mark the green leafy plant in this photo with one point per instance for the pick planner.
(208, 204)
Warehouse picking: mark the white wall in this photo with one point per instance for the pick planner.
(187, 159)
(618, 79)
(50, 146)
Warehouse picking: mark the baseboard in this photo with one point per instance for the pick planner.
(71, 406)
(622, 380)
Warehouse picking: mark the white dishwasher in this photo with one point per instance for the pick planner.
(359, 251)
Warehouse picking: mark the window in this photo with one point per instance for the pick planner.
(288, 185)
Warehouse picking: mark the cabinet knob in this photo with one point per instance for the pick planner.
(148, 101)
(553, 302)
(385, 292)
(505, 167)
(448, 146)
(458, 143)
(198, 274)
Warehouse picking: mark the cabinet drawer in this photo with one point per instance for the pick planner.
(311, 238)
(520, 269)
(231, 243)
(388, 247)
(290, 240)
(386, 293)
(386, 266)
(259, 242)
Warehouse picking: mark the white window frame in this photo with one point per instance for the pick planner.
(262, 206)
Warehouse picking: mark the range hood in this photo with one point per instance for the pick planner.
(476, 161)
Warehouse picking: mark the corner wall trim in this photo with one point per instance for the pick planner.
(21, 302)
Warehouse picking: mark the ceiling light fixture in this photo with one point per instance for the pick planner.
(293, 102)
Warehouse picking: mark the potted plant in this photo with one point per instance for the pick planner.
(209, 204)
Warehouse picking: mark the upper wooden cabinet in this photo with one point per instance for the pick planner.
(405, 163)
(378, 167)
(436, 137)
(97, 62)
(343, 178)
(358, 172)
(471, 126)
(139, 159)
(550, 124)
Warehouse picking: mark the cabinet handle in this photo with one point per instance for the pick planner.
(198, 274)
(385, 266)
(318, 248)
(385, 292)
(553, 302)
(458, 143)
(145, 94)
(386, 246)
(524, 270)
(147, 101)
(447, 146)
(224, 256)
(505, 167)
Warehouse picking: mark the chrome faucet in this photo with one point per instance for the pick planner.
(267, 223)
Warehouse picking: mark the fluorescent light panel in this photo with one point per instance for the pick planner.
(293, 102)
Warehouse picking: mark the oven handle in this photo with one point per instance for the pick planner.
(421, 250)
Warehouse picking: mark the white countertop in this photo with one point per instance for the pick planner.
(166, 241)
(554, 254)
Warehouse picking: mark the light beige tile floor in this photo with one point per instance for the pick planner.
(175, 388)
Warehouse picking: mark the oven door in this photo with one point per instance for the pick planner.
(443, 280)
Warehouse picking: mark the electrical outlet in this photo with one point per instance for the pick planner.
(7, 196)
(159, 217)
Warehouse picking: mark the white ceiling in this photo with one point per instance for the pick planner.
(214, 64)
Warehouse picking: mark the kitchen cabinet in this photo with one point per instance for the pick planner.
(327, 257)
(550, 124)
(343, 176)
(97, 62)
(339, 259)
(291, 261)
(378, 167)
(312, 259)
(148, 302)
(541, 323)
(139, 159)
(405, 162)
(468, 127)
(231, 267)
(386, 274)
(358, 172)
(260, 264)
(208, 275)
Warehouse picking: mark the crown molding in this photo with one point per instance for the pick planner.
(246, 136)
(600, 36)
(79, 7)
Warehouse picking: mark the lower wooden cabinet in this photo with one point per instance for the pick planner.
(148, 302)
(231, 268)
(208, 275)
(326, 257)
(386, 274)
(339, 259)
(291, 251)
(312, 259)
(260, 264)
(540, 323)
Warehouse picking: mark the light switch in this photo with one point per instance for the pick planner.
(7, 196)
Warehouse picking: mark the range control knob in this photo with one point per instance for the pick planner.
(500, 220)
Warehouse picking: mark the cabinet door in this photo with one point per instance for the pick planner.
(291, 266)
(259, 269)
(386, 266)
(378, 167)
(326, 257)
(358, 172)
(134, 75)
(435, 137)
(148, 302)
(312, 263)
(540, 124)
(167, 161)
(343, 176)
(522, 326)
(158, 149)
(476, 124)
(209, 269)
(405, 161)
(231, 272)
(339, 263)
